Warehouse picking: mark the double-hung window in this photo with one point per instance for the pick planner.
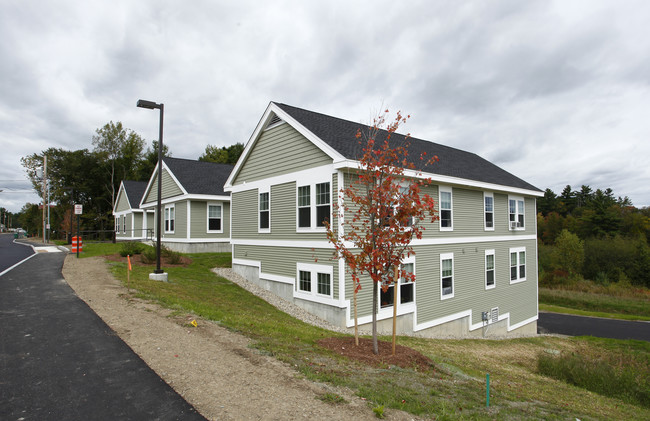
(406, 291)
(322, 204)
(446, 214)
(124, 224)
(314, 206)
(264, 211)
(516, 213)
(517, 264)
(214, 218)
(489, 269)
(446, 275)
(488, 206)
(170, 217)
(314, 281)
(304, 206)
(117, 224)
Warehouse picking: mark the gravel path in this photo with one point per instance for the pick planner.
(214, 369)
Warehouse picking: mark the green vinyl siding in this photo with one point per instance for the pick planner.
(520, 299)
(280, 150)
(244, 211)
(283, 214)
(282, 261)
(137, 226)
(122, 202)
(169, 188)
(199, 219)
(180, 220)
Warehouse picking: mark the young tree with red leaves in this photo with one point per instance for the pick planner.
(381, 211)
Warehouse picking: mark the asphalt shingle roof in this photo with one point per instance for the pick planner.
(341, 136)
(199, 177)
(134, 191)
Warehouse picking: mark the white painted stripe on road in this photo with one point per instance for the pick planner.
(17, 264)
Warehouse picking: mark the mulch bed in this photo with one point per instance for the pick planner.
(136, 260)
(404, 357)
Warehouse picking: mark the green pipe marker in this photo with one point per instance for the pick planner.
(487, 390)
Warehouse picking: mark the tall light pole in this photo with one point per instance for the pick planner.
(158, 274)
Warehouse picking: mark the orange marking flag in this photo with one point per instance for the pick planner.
(128, 258)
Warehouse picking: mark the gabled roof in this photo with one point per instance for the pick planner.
(199, 177)
(134, 191)
(340, 135)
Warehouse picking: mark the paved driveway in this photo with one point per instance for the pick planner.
(60, 361)
(567, 324)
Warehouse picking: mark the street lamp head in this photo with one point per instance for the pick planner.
(148, 104)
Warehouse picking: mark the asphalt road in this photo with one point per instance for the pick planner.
(60, 361)
(566, 324)
(10, 253)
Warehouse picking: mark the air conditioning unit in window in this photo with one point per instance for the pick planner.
(514, 224)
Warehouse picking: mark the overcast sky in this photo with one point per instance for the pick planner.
(556, 93)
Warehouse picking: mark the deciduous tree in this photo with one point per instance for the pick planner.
(381, 211)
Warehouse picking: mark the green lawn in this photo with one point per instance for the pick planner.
(454, 388)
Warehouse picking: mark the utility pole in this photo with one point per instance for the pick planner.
(44, 195)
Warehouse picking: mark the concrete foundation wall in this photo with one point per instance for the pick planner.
(458, 328)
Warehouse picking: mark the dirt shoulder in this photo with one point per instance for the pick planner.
(211, 367)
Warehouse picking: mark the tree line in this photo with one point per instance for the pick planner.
(592, 235)
(91, 177)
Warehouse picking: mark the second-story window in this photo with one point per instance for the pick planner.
(446, 215)
(516, 213)
(313, 206)
(322, 204)
(265, 214)
(488, 202)
(304, 206)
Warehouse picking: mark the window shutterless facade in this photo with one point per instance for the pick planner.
(215, 218)
(516, 213)
(170, 217)
(314, 281)
(489, 269)
(313, 206)
(517, 264)
(446, 213)
(264, 212)
(304, 206)
(488, 206)
(406, 288)
(446, 276)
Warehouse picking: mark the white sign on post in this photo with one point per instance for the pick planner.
(78, 209)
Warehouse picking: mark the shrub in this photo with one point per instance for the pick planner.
(149, 255)
(131, 248)
(173, 257)
(603, 377)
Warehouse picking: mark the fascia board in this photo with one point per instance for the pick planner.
(154, 176)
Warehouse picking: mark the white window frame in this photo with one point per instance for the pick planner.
(447, 256)
(124, 224)
(401, 308)
(169, 209)
(487, 195)
(441, 190)
(494, 273)
(313, 207)
(517, 251)
(207, 219)
(519, 213)
(314, 270)
(116, 226)
(260, 192)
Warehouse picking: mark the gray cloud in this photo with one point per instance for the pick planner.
(555, 92)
